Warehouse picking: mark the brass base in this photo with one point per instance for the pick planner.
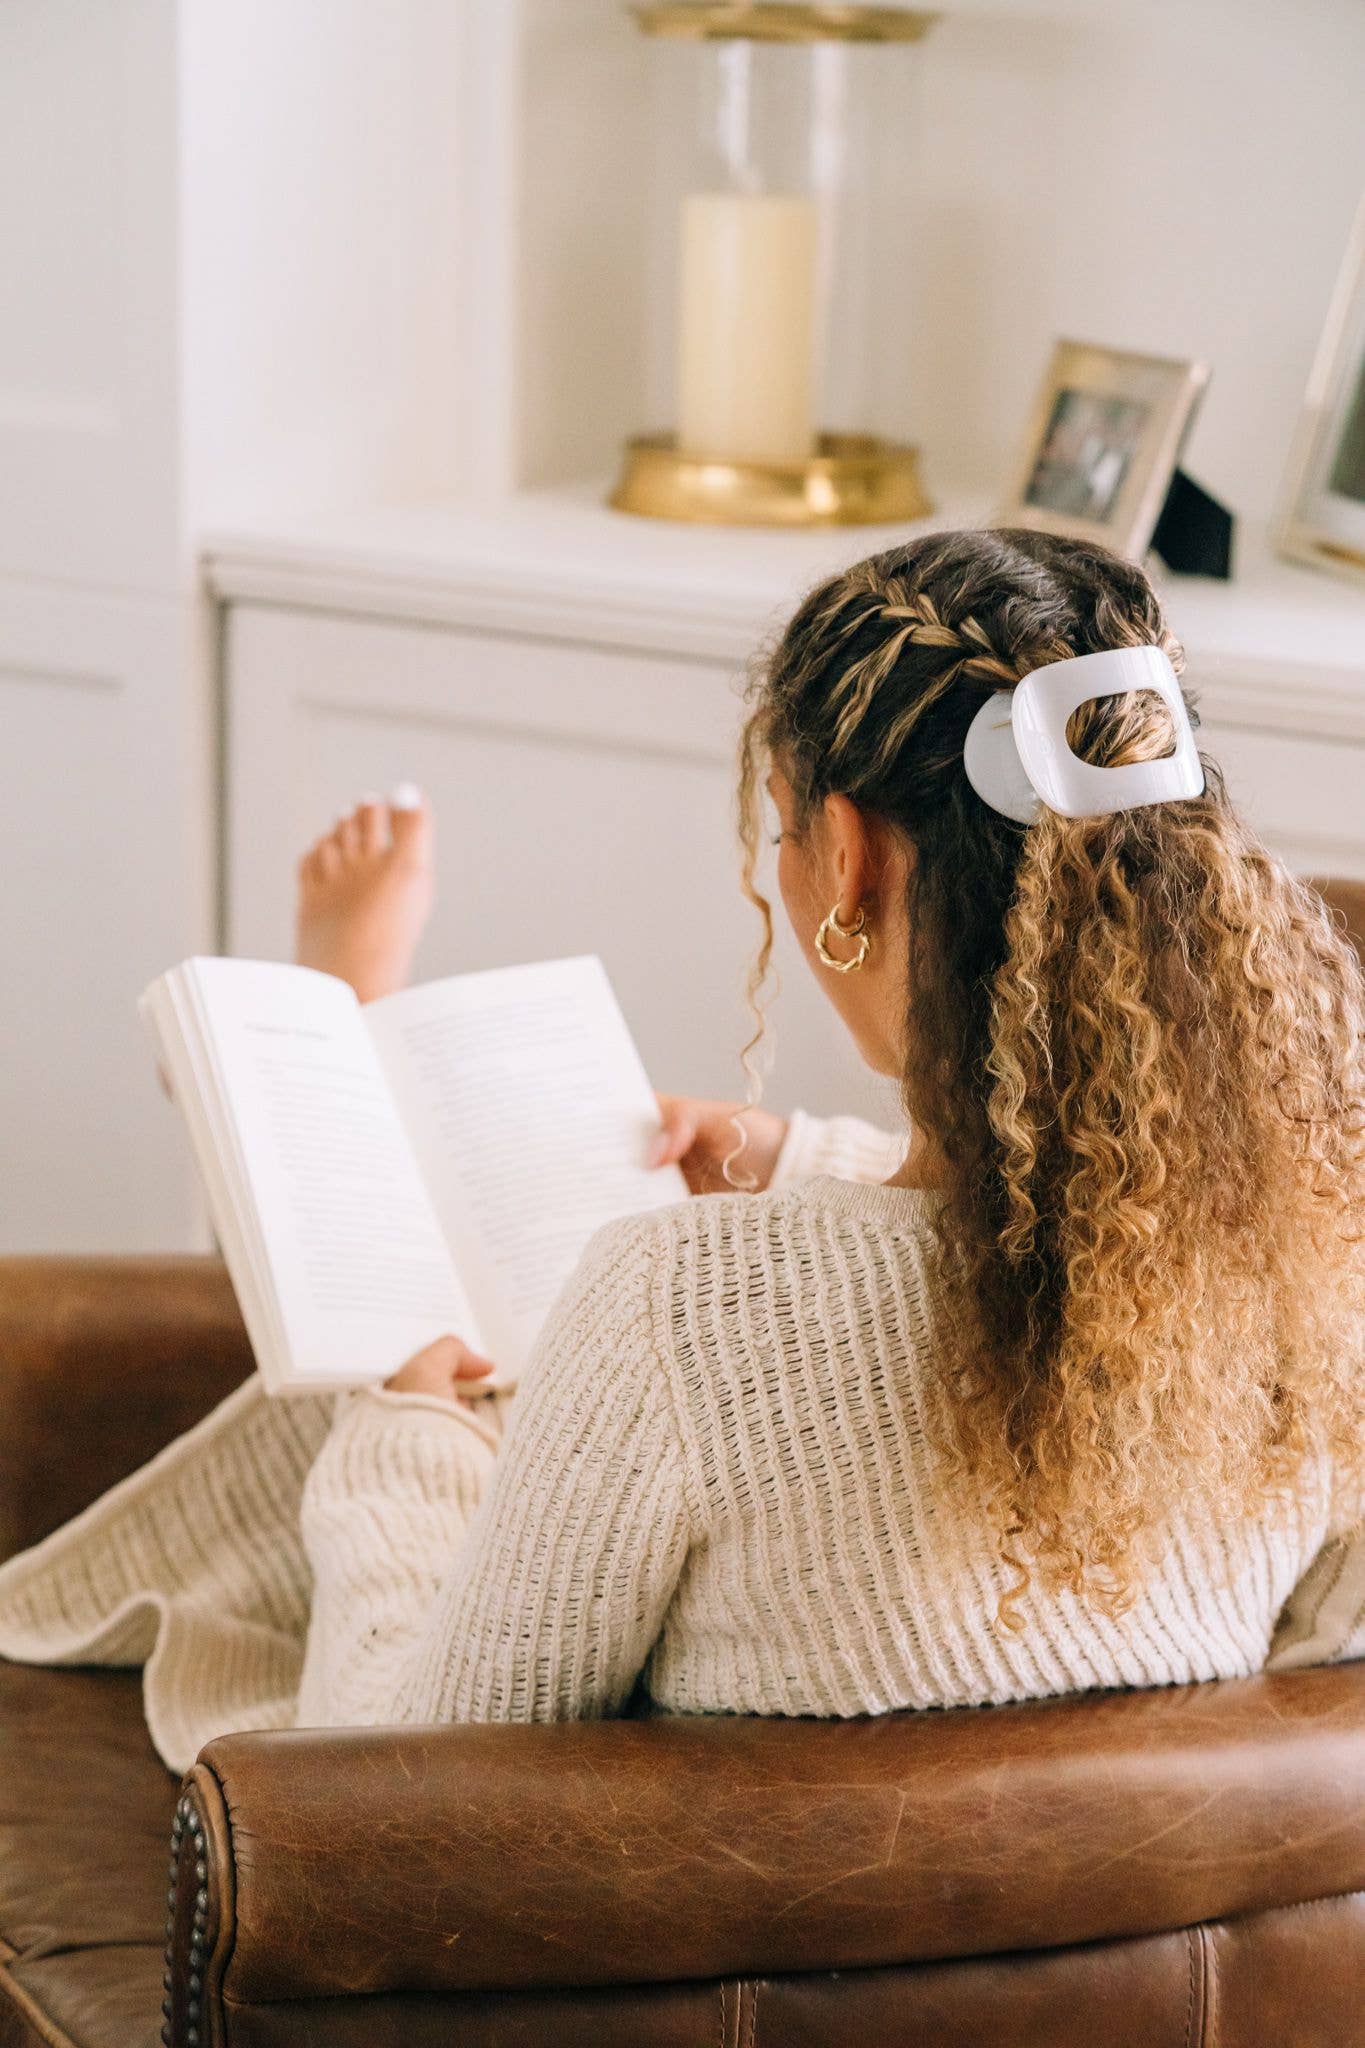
(774, 21)
(852, 480)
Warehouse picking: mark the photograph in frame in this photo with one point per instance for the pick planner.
(1103, 441)
(1322, 517)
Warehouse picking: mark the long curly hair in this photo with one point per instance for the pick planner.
(1136, 1042)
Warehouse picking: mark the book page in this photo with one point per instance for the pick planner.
(357, 1262)
(531, 1114)
(172, 1012)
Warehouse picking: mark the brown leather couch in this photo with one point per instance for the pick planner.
(1119, 1870)
(1185, 1866)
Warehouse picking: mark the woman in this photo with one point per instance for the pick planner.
(1061, 1390)
(1069, 1397)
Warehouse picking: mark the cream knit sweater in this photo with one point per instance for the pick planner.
(715, 1477)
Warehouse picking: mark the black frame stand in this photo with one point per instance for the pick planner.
(1193, 536)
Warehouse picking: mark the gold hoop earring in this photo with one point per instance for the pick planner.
(857, 930)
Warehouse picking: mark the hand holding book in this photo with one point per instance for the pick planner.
(446, 1369)
(700, 1136)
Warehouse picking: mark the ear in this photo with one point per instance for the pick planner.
(862, 857)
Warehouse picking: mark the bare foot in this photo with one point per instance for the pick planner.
(365, 893)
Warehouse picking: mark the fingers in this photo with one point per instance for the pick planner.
(454, 1356)
(677, 1134)
(439, 1367)
(468, 1364)
(700, 1136)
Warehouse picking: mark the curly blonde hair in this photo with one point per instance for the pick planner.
(1137, 1044)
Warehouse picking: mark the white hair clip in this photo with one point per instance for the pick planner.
(1016, 753)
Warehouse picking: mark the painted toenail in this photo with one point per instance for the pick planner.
(406, 796)
(370, 797)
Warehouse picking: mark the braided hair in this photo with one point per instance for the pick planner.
(1136, 1042)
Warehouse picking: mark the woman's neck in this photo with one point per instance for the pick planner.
(923, 1165)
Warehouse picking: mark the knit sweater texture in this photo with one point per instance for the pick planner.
(716, 1479)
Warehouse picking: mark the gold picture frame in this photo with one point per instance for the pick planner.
(1322, 515)
(1103, 440)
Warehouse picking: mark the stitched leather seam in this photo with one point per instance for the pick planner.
(25, 2002)
(1211, 1988)
(721, 2037)
(249, 2005)
(753, 2014)
(1189, 2002)
(1203, 1984)
(1295, 1906)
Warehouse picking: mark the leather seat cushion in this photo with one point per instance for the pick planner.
(85, 1818)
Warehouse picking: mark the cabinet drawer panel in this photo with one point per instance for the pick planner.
(1307, 797)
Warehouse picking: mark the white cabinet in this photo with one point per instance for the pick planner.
(1305, 795)
(101, 821)
(105, 820)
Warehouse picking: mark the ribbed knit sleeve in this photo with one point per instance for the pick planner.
(544, 1604)
(843, 1147)
(385, 1508)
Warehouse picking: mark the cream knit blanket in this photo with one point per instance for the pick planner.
(193, 1568)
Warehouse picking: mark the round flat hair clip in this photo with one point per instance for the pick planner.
(992, 761)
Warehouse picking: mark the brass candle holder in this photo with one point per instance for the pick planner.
(850, 480)
(764, 209)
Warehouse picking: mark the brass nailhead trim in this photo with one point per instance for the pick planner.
(186, 1821)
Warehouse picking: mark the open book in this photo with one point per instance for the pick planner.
(435, 1161)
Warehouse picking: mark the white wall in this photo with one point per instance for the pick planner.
(87, 293)
(1168, 175)
(1171, 175)
(321, 217)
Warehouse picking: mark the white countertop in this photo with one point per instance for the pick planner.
(1281, 647)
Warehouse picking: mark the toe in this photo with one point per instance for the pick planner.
(325, 861)
(372, 824)
(310, 867)
(346, 836)
(411, 823)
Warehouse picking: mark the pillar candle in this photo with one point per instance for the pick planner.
(746, 327)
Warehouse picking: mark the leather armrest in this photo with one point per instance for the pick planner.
(102, 1361)
(1347, 899)
(452, 1860)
